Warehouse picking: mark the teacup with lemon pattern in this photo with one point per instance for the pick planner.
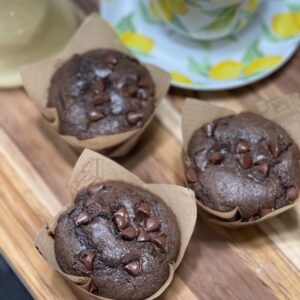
(241, 58)
(204, 19)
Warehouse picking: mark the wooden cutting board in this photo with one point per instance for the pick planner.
(35, 166)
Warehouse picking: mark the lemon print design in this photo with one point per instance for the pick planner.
(137, 41)
(181, 78)
(251, 5)
(226, 70)
(132, 39)
(167, 10)
(286, 25)
(262, 63)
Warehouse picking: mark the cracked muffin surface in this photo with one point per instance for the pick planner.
(244, 161)
(101, 92)
(121, 236)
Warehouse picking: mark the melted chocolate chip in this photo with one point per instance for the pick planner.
(275, 150)
(265, 211)
(151, 224)
(94, 115)
(99, 84)
(121, 222)
(133, 268)
(245, 160)
(209, 129)
(134, 117)
(242, 147)
(99, 99)
(191, 175)
(143, 236)
(88, 260)
(94, 188)
(83, 218)
(129, 233)
(216, 157)
(263, 169)
(292, 193)
(51, 234)
(93, 288)
(145, 82)
(111, 59)
(160, 241)
(132, 89)
(144, 208)
(253, 218)
(122, 212)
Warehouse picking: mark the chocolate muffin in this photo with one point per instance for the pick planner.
(121, 236)
(101, 92)
(244, 161)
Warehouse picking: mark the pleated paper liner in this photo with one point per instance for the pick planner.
(285, 111)
(92, 167)
(94, 33)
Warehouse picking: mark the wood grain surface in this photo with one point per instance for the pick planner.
(251, 263)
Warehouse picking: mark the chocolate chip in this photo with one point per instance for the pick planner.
(292, 193)
(94, 188)
(100, 99)
(209, 129)
(111, 59)
(143, 236)
(129, 233)
(99, 84)
(93, 288)
(242, 147)
(51, 234)
(245, 160)
(145, 82)
(144, 208)
(94, 115)
(160, 241)
(263, 169)
(134, 117)
(253, 218)
(83, 218)
(216, 157)
(191, 175)
(132, 89)
(275, 150)
(76, 57)
(88, 260)
(133, 268)
(151, 224)
(121, 222)
(265, 211)
(122, 212)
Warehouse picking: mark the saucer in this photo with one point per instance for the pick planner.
(48, 39)
(261, 48)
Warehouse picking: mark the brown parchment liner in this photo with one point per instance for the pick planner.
(92, 34)
(93, 167)
(285, 111)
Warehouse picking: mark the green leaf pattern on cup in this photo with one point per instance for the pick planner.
(126, 24)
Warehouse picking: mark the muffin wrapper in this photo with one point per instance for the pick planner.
(92, 34)
(93, 167)
(285, 111)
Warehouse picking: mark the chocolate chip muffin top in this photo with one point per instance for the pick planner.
(101, 92)
(119, 235)
(244, 161)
